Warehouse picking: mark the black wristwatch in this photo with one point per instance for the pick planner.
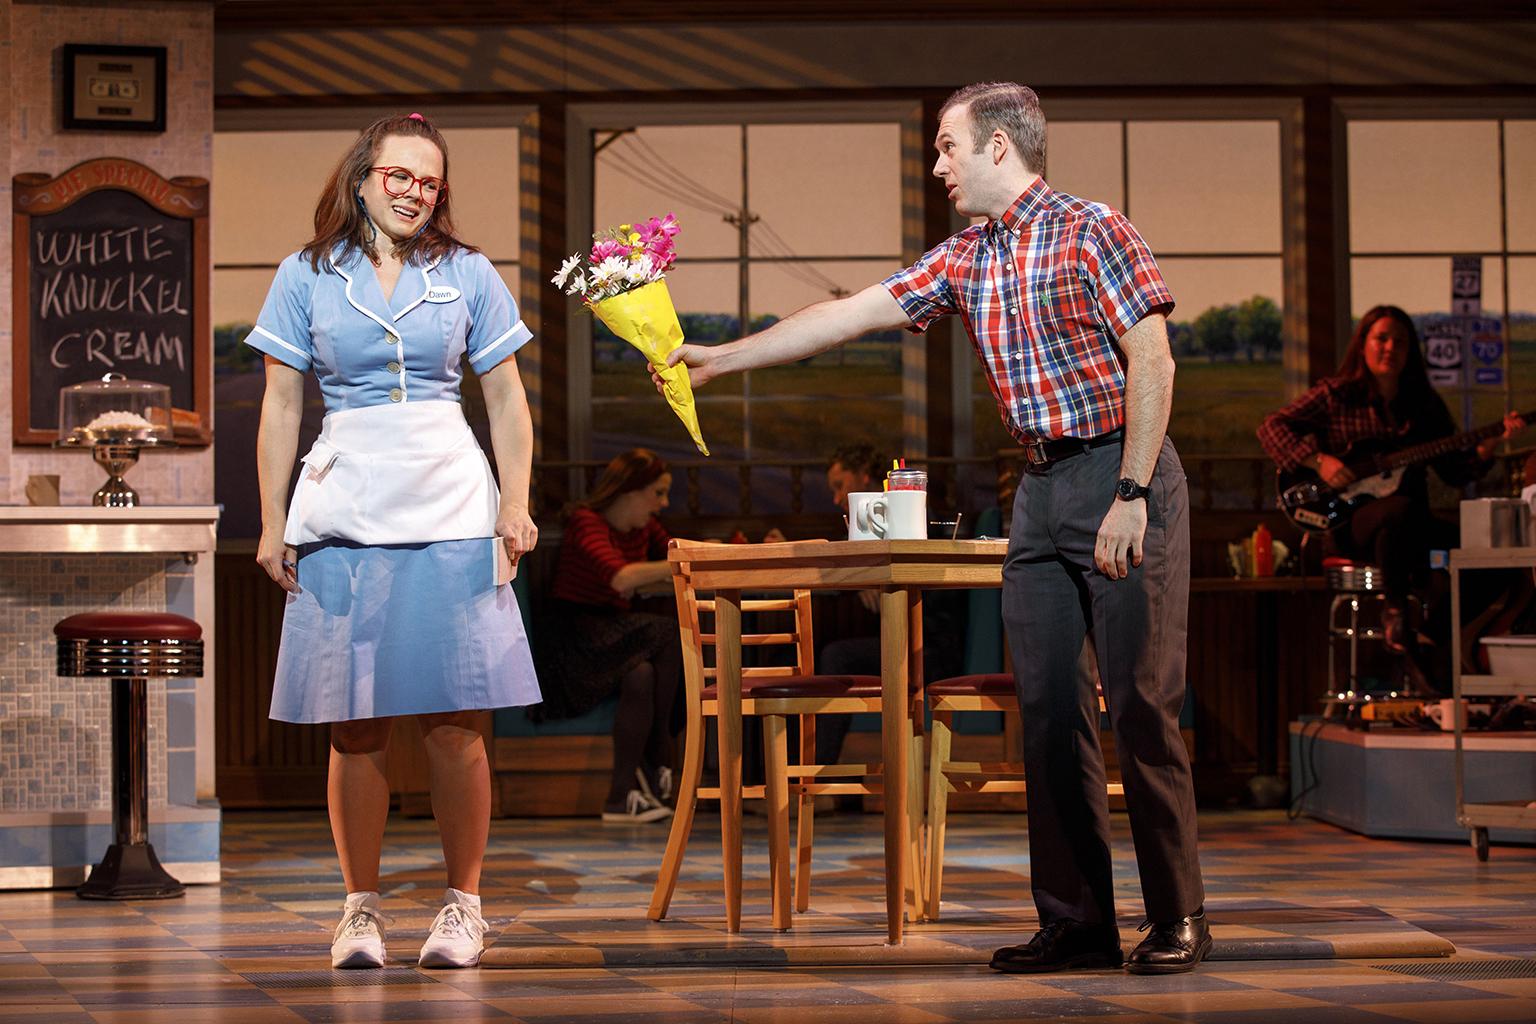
(1129, 490)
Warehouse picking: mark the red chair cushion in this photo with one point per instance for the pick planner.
(986, 684)
(805, 686)
(127, 626)
(1340, 562)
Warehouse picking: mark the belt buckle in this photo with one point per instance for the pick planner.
(1035, 453)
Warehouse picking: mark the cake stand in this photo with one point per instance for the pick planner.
(115, 450)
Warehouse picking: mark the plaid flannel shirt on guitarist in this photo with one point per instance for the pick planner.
(1339, 412)
(1045, 293)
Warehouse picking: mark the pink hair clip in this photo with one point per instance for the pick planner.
(418, 117)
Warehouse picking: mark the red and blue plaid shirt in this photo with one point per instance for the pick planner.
(1045, 293)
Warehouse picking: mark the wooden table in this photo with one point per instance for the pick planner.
(900, 570)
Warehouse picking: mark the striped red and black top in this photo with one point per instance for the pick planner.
(592, 551)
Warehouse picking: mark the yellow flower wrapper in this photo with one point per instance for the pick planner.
(646, 318)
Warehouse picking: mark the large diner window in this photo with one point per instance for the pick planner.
(779, 209)
(1429, 188)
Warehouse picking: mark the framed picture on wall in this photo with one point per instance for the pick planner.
(114, 88)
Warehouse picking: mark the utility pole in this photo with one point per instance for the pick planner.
(742, 221)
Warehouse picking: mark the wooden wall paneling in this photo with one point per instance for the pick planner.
(260, 763)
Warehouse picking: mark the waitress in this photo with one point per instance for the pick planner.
(396, 547)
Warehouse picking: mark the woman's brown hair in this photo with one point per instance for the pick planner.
(1413, 386)
(339, 216)
(627, 471)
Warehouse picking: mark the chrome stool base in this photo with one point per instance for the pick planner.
(130, 872)
(1357, 585)
(127, 648)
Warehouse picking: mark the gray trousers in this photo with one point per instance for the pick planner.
(1052, 595)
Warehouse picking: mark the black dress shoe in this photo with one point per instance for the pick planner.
(1172, 947)
(1062, 945)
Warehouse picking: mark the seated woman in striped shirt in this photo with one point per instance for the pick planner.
(593, 644)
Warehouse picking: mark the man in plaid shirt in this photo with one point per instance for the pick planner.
(1065, 307)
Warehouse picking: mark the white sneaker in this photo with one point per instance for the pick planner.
(637, 810)
(359, 939)
(457, 939)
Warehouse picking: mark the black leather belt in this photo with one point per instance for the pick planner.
(1043, 453)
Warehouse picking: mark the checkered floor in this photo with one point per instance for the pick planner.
(253, 949)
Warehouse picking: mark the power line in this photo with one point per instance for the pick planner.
(683, 189)
(772, 240)
(667, 188)
(635, 142)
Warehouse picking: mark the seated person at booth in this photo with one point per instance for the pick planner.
(592, 644)
(1381, 401)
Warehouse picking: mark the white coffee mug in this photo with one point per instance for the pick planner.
(900, 515)
(860, 527)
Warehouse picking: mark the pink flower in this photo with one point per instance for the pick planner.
(666, 228)
(661, 255)
(656, 237)
(608, 247)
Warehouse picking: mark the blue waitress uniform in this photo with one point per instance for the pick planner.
(399, 612)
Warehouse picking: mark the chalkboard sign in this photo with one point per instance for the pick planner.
(110, 276)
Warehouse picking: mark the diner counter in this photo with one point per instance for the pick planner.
(55, 733)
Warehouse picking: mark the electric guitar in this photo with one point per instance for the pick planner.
(1316, 507)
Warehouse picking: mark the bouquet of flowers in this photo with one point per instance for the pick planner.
(622, 281)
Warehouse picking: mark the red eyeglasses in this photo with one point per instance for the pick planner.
(398, 182)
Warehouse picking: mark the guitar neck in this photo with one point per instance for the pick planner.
(1441, 446)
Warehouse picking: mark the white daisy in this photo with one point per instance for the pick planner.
(607, 277)
(565, 270)
(638, 272)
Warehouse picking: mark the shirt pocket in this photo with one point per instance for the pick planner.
(452, 325)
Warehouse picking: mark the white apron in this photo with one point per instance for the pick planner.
(403, 473)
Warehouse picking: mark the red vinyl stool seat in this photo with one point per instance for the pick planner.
(129, 648)
(1351, 577)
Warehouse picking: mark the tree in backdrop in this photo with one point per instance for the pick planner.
(1257, 328)
(1252, 327)
(1215, 332)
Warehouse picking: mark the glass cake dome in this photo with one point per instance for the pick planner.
(114, 410)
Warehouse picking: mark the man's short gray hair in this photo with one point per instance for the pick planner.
(1013, 108)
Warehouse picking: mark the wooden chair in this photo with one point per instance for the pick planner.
(992, 691)
(773, 694)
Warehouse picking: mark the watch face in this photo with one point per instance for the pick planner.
(1128, 489)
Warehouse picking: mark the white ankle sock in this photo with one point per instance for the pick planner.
(459, 896)
(360, 899)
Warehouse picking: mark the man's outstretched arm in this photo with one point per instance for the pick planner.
(809, 332)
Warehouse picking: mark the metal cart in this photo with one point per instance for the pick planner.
(1481, 816)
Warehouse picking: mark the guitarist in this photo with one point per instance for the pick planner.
(1381, 393)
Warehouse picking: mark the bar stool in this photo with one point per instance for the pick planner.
(1355, 585)
(129, 647)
